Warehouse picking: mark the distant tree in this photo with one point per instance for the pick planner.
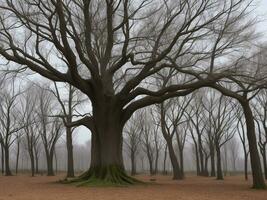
(221, 118)
(233, 148)
(133, 132)
(10, 122)
(50, 128)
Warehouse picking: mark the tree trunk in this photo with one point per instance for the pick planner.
(164, 160)
(17, 157)
(201, 156)
(264, 161)
(181, 153)
(258, 180)
(150, 162)
(133, 164)
(156, 162)
(7, 168)
(70, 166)
(32, 162)
(197, 160)
(219, 163)
(175, 165)
(3, 159)
(225, 161)
(49, 160)
(36, 160)
(106, 150)
(206, 166)
(212, 161)
(246, 166)
(56, 162)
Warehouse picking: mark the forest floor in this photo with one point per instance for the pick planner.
(192, 188)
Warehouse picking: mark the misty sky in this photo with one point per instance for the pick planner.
(82, 134)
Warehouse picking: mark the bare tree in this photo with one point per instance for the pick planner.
(233, 148)
(109, 50)
(242, 135)
(50, 131)
(68, 112)
(10, 123)
(260, 108)
(197, 129)
(148, 141)
(133, 132)
(30, 119)
(221, 119)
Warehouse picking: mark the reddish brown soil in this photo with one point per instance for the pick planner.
(193, 188)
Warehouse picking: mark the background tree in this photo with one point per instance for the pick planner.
(133, 132)
(10, 123)
(50, 131)
(221, 119)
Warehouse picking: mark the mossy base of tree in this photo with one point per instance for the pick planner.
(259, 187)
(104, 176)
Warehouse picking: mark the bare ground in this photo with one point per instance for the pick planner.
(192, 188)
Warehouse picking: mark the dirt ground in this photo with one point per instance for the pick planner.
(192, 188)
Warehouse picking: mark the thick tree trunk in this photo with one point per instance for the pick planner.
(219, 163)
(106, 150)
(70, 166)
(7, 168)
(258, 180)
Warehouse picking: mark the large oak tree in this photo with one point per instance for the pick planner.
(111, 50)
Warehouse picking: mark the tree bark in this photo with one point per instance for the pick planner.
(201, 156)
(181, 153)
(175, 165)
(264, 161)
(49, 160)
(106, 150)
(133, 163)
(17, 157)
(7, 167)
(165, 160)
(3, 159)
(212, 161)
(246, 166)
(258, 180)
(70, 166)
(32, 163)
(219, 163)
(36, 160)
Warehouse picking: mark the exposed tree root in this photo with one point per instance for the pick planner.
(104, 176)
